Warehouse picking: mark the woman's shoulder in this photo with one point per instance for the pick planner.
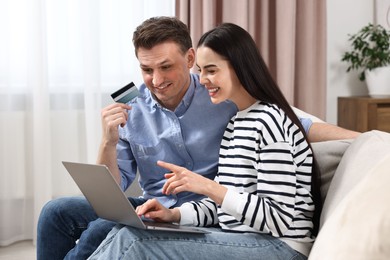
(266, 113)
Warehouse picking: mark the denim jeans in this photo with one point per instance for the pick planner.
(132, 243)
(65, 220)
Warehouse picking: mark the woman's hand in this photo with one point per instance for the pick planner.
(153, 209)
(180, 179)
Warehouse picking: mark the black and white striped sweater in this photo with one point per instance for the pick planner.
(266, 165)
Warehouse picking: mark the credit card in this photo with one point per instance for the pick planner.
(126, 93)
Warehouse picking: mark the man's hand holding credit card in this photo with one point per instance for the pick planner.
(126, 93)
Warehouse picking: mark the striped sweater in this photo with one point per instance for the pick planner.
(266, 165)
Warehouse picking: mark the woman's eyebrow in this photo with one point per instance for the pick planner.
(207, 66)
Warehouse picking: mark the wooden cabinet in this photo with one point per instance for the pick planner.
(364, 113)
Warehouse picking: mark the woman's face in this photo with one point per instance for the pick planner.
(217, 75)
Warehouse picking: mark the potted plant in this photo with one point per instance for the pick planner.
(371, 55)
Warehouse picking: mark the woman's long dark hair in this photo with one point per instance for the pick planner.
(238, 47)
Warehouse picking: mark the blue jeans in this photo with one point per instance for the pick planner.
(63, 221)
(132, 243)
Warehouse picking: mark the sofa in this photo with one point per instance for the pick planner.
(355, 220)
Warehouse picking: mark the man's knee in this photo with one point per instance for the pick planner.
(57, 207)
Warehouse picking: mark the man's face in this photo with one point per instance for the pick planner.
(166, 72)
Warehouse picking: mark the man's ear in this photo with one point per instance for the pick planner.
(190, 57)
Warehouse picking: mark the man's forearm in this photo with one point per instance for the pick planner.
(107, 156)
(325, 132)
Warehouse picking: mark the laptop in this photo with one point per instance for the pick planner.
(110, 202)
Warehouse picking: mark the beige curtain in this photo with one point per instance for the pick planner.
(291, 36)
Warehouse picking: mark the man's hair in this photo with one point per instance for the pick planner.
(162, 29)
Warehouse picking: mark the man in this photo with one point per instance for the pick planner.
(172, 120)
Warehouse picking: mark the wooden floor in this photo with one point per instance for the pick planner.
(24, 250)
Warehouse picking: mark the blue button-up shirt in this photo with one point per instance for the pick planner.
(190, 137)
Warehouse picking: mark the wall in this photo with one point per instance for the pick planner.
(343, 18)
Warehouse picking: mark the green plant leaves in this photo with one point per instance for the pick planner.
(370, 49)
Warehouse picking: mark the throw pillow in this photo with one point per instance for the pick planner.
(359, 228)
(362, 155)
(356, 216)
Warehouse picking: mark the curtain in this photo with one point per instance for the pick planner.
(291, 36)
(59, 61)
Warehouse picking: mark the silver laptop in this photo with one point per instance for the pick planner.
(109, 201)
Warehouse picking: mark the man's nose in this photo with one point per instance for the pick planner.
(157, 79)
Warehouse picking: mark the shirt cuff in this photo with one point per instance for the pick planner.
(186, 212)
(229, 203)
(306, 123)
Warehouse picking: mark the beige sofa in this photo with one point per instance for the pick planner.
(355, 221)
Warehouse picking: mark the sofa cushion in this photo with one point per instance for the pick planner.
(356, 215)
(328, 155)
(359, 228)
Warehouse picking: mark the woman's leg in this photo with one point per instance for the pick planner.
(131, 243)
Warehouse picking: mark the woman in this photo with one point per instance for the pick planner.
(264, 202)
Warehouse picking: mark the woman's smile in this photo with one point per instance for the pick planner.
(213, 91)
